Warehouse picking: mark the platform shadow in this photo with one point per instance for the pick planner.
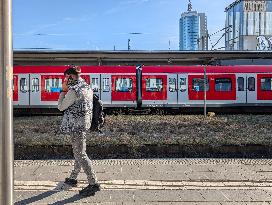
(72, 199)
(61, 186)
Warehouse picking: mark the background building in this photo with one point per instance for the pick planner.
(193, 30)
(249, 25)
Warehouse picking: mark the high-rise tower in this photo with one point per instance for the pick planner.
(193, 30)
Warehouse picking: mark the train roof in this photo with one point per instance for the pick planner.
(169, 57)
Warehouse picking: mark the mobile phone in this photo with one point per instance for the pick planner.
(69, 80)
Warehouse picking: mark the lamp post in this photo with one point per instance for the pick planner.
(129, 44)
(133, 33)
(205, 92)
(6, 109)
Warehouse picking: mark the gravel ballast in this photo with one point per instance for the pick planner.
(176, 131)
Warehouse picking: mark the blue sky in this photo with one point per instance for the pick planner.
(103, 24)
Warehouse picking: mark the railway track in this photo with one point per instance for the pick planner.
(157, 111)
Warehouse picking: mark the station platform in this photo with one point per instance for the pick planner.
(148, 181)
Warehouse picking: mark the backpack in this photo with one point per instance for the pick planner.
(98, 118)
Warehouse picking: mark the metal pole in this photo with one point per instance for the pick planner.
(6, 109)
(128, 44)
(205, 92)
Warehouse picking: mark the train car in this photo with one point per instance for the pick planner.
(149, 86)
(39, 86)
(183, 86)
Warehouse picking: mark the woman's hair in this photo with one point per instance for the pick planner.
(75, 70)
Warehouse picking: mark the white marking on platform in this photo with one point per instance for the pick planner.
(136, 162)
(143, 185)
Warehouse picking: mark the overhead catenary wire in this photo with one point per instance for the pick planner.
(227, 30)
(208, 36)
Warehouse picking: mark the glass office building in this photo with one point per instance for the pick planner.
(193, 30)
(249, 25)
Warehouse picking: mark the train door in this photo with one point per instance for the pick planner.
(251, 88)
(172, 89)
(241, 88)
(182, 89)
(24, 89)
(95, 83)
(35, 90)
(106, 89)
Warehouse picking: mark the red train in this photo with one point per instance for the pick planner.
(149, 86)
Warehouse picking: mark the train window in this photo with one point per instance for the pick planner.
(95, 84)
(47, 85)
(182, 84)
(154, 85)
(106, 85)
(266, 84)
(23, 85)
(241, 83)
(223, 84)
(53, 85)
(35, 85)
(172, 84)
(123, 85)
(251, 84)
(198, 84)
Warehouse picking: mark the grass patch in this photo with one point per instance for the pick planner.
(153, 130)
